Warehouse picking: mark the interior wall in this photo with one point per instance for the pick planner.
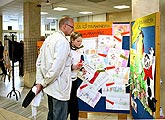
(83, 19)
(119, 16)
(99, 18)
(92, 18)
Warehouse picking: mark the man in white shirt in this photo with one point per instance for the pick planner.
(54, 68)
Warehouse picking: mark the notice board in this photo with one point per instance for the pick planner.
(107, 56)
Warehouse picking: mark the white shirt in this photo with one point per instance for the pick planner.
(75, 58)
(54, 66)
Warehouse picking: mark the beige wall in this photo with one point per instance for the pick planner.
(119, 16)
(92, 18)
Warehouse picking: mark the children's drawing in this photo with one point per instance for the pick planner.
(90, 45)
(118, 101)
(87, 94)
(107, 41)
(118, 57)
(121, 29)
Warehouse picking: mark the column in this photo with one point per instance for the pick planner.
(142, 8)
(162, 55)
(32, 33)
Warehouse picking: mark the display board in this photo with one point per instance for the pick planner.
(144, 66)
(39, 44)
(104, 87)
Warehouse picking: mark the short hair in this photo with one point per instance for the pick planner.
(75, 35)
(64, 20)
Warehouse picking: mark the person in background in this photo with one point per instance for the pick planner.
(2, 59)
(53, 69)
(21, 58)
(76, 53)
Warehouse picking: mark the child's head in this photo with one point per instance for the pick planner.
(76, 39)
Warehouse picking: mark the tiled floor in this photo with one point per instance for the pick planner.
(7, 87)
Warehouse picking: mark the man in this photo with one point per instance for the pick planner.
(54, 68)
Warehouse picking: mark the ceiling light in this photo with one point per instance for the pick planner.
(44, 13)
(50, 18)
(85, 12)
(59, 9)
(121, 7)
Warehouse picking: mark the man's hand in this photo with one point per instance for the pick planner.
(39, 88)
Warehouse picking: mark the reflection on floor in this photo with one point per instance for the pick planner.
(6, 88)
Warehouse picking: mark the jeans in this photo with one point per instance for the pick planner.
(57, 109)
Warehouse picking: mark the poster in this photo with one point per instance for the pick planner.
(105, 71)
(142, 66)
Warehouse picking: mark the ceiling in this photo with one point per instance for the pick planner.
(13, 9)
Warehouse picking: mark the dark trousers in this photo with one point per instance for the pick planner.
(57, 109)
(21, 68)
(73, 102)
(3, 68)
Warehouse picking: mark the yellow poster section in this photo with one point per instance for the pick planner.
(145, 21)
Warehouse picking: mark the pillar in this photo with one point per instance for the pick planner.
(32, 33)
(162, 55)
(142, 8)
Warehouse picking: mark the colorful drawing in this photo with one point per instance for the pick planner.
(107, 41)
(118, 57)
(86, 93)
(118, 101)
(121, 29)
